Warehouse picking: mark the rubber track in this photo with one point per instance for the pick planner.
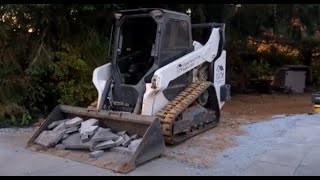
(169, 113)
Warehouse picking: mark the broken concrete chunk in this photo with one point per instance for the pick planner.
(65, 136)
(134, 137)
(90, 130)
(105, 145)
(127, 140)
(56, 123)
(73, 122)
(119, 141)
(122, 150)
(89, 122)
(89, 126)
(74, 142)
(85, 137)
(72, 129)
(96, 154)
(60, 147)
(49, 138)
(104, 135)
(122, 133)
(60, 127)
(134, 145)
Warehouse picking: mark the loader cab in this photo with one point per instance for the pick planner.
(135, 51)
(146, 37)
(176, 37)
(144, 41)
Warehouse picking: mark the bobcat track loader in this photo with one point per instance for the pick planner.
(161, 84)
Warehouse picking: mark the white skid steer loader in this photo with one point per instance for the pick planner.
(161, 84)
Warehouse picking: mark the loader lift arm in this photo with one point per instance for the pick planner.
(207, 53)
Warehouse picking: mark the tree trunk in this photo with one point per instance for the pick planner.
(307, 56)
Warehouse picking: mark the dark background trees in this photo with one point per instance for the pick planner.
(49, 51)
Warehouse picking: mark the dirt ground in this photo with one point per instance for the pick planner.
(241, 110)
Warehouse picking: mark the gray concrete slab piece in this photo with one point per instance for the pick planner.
(103, 134)
(96, 154)
(73, 122)
(269, 169)
(312, 158)
(119, 141)
(307, 170)
(72, 130)
(74, 142)
(127, 140)
(56, 123)
(49, 138)
(105, 145)
(283, 156)
(60, 147)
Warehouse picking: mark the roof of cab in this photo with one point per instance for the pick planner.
(146, 10)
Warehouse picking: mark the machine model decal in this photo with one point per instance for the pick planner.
(183, 67)
(219, 74)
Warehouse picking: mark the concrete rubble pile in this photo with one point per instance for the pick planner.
(77, 134)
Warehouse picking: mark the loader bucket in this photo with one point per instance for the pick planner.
(148, 127)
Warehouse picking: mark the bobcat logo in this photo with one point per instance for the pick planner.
(219, 74)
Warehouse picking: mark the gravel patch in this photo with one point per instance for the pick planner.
(13, 131)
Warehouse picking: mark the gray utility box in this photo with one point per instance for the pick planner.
(295, 81)
(293, 78)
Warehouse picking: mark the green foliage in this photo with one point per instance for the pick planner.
(54, 62)
(13, 114)
(240, 54)
(259, 70)
(73, 80)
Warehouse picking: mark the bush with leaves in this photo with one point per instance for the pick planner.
(73, 80)
(259, 70)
